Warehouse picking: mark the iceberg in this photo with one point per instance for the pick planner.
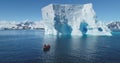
(72, 19)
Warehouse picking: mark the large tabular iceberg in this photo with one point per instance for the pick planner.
(70, 19)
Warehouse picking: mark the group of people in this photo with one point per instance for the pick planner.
(46, 47)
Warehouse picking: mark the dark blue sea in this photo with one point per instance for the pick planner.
(26, 46)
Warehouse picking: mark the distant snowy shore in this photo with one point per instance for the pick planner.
(27, 25)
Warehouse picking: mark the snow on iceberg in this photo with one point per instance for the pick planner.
(72, 19)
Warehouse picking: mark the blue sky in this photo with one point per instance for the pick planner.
(20, 10)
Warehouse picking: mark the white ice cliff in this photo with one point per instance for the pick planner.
(70, 19)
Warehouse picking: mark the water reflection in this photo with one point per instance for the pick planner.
(67, 48)
(62, 48)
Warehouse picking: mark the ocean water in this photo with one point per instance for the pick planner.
(26, 46)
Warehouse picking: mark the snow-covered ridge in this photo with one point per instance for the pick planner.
(114, 25)
(12, 25)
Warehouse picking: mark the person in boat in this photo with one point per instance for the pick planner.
(45, 46)
(48, 46)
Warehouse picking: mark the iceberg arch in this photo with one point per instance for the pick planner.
(62, 28)
(83, 27)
